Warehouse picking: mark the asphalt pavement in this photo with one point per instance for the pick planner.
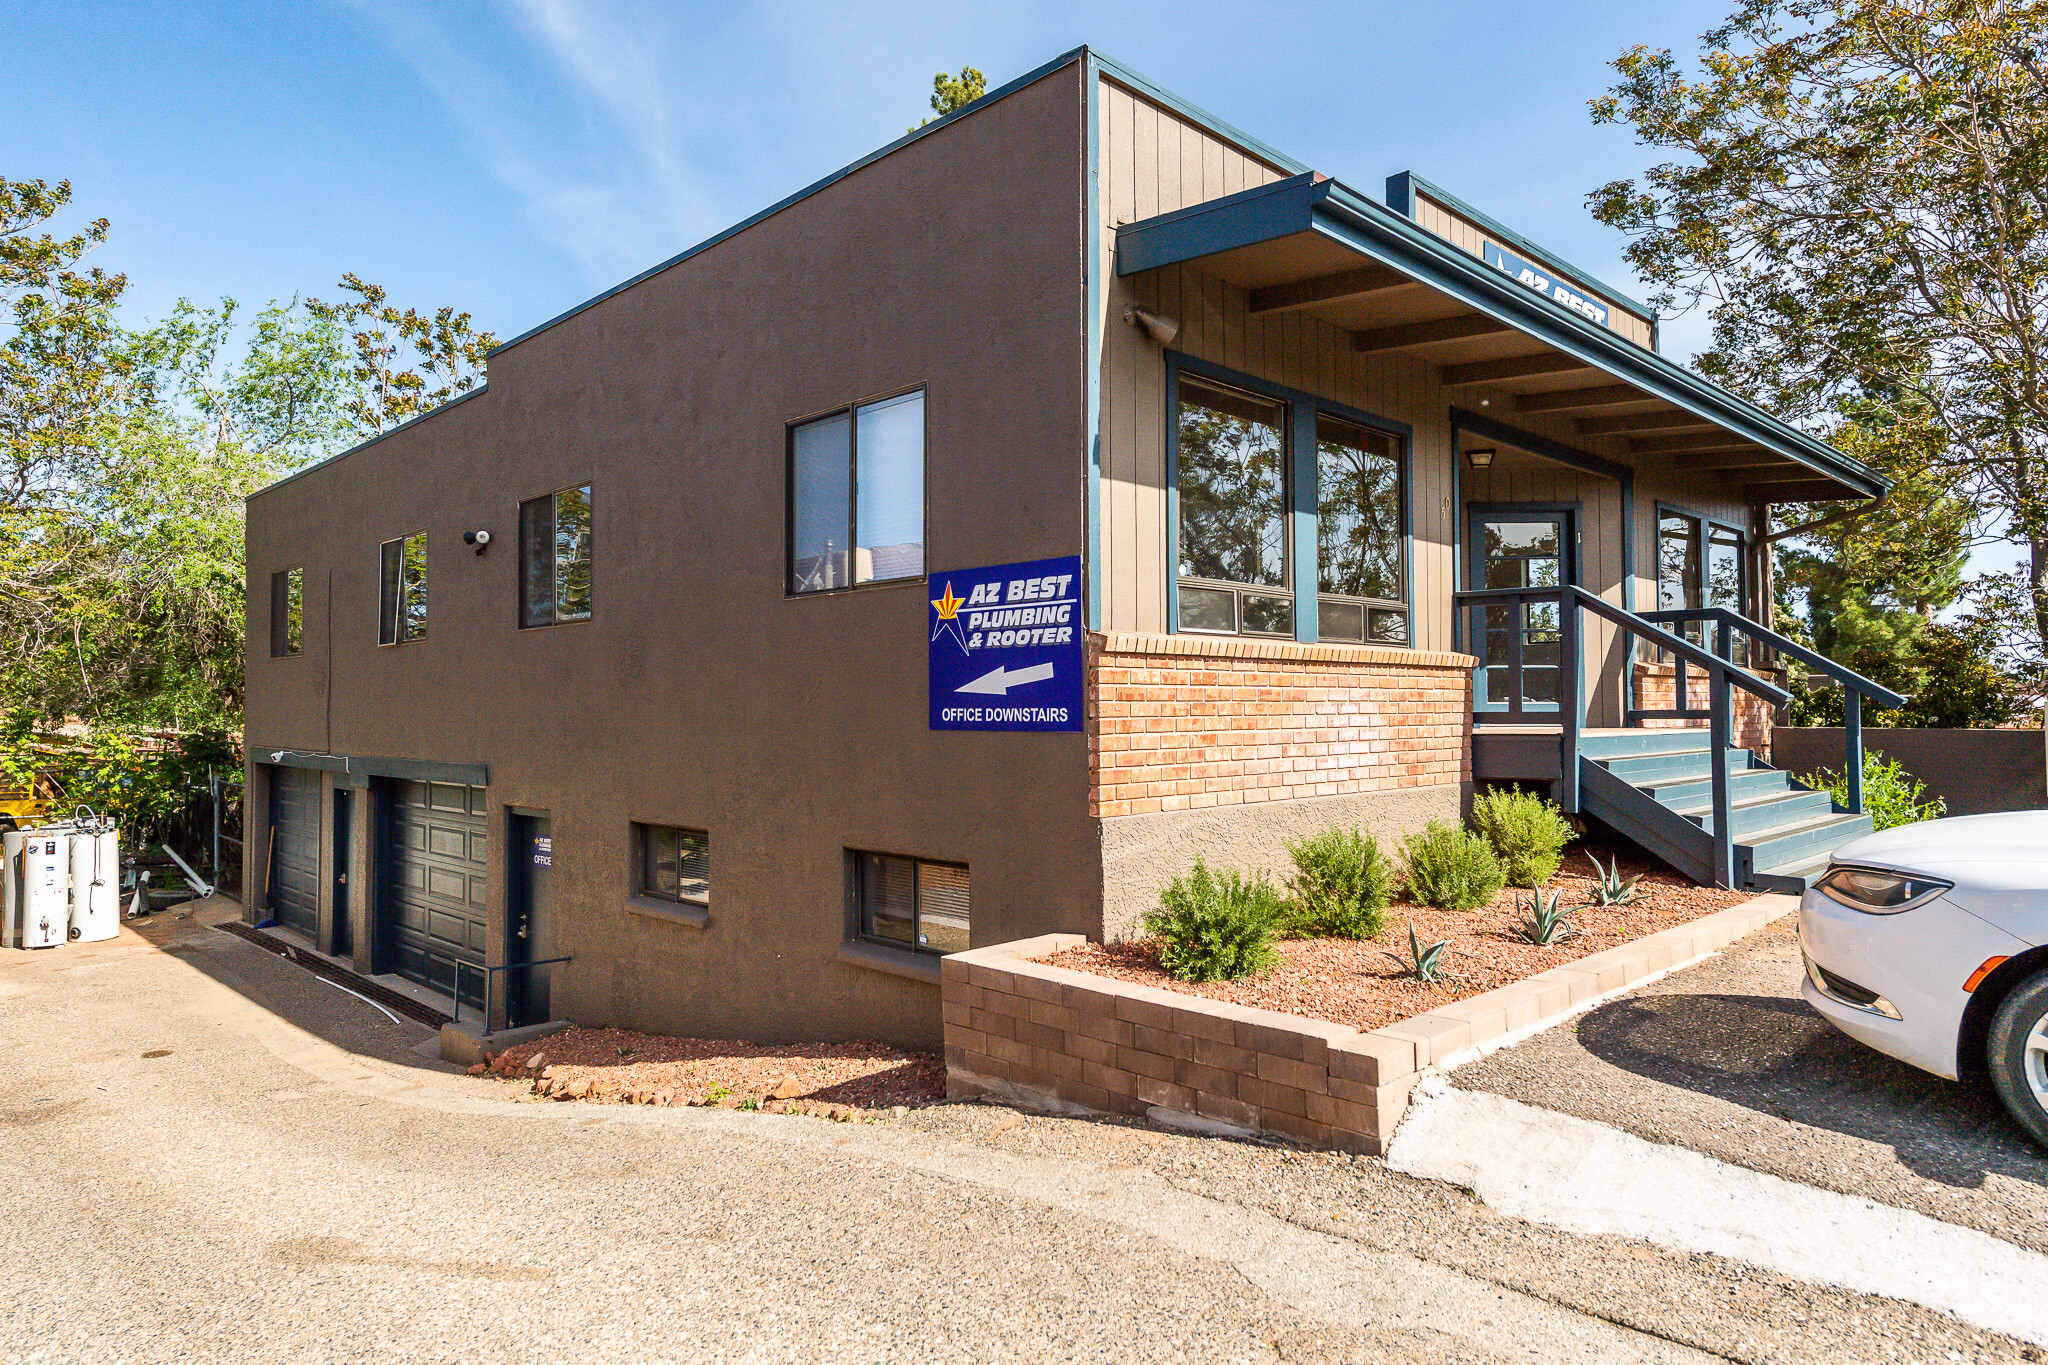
(212, 1155)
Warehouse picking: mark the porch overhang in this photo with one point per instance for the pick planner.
(1310, 244)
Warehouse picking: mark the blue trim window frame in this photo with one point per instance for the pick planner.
(1301, 541)
(1709, 531)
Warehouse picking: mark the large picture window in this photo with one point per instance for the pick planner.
(1231, 453)
(1358, 535)
(911, 903)
(402, 595)
(1700, 564)
(554, 557)
(856, 496)
(287, 612)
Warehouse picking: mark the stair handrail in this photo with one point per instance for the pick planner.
(1723, 676)
(1855, 687)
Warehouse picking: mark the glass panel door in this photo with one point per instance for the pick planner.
(1519, 646)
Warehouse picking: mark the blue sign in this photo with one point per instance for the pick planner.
(1545, 283)
(1006, 646)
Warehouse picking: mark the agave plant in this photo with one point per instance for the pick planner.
(1422, 964)
(1548, 921)
(1611, 889)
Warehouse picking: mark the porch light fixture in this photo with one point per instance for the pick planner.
(1480, 458)
(1162, 330)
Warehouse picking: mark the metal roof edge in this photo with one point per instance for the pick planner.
(364, 445)
(1031, 77)
(1556, 263)
(1603, 348)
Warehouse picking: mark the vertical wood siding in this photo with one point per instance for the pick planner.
(1468, 236)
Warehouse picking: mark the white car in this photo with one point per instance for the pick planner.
(1927, 943)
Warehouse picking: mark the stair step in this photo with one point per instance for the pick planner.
(1803, 842)
(1761, 813)
(1793, 878)
(1664, 767)
(1698, 790)
(1643, 742)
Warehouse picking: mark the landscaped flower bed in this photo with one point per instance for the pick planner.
(832, 1080)
(1354, 981)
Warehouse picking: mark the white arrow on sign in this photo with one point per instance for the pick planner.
(1002, 680)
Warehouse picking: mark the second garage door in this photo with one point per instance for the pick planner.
(434, 883)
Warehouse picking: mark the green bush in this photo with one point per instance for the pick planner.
(1890, 795)
(1216, 926)
(1450, 868)
(1342, 886)
(1527, 831)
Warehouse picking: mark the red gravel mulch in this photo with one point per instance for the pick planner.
(834, 1080)
(1349, 981)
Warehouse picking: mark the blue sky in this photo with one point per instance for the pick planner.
(513, 158)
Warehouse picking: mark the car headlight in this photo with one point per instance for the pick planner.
(1877, 892)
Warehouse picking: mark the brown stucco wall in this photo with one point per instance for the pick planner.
(1975, 771)
(700, 695)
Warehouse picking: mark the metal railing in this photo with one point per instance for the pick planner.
(489, 974)
(1855, 687)
(1723, 675)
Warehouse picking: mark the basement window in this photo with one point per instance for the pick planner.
(910, 903)
(287, 612)
(554, 557)
(672, 864)
(402, 598)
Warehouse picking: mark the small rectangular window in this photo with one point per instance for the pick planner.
(856, 496)
(672, 864)
(910, 903)
(287, 612)
(402, 597)
(554, 557)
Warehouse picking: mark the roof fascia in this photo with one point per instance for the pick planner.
(1031, 77)
(1403, 188)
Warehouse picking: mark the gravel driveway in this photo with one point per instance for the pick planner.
(213, 1156)
(1725, 1058)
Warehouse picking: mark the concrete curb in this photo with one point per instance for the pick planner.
(1044, 1037)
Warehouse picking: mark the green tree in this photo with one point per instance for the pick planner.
(1857, 196)
(447, 355)
(954, 92)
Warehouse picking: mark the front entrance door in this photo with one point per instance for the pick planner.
(527, 881)
(1519, 647)
(344, 810)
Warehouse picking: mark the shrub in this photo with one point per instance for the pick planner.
(1216, 926)
(1527, 831)
(1451, 869)
(1342, 886)
(1890, 795)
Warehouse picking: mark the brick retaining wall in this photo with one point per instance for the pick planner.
(1182, 722)
(1045, 1037)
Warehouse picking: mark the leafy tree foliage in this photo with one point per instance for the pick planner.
(446, 352)
(1857, 195)
(954, 92)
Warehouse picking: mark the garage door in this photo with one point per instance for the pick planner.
(295, 851)
(434, 883)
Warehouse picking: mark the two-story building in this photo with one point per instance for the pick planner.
(668, 651)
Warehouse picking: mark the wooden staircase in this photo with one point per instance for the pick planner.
(1655, 788)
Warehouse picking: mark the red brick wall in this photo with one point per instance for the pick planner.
(1180, 722)
(1656, 686)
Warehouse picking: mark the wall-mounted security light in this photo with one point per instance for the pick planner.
(1480, 458)
(1161, 330)
(480, 539)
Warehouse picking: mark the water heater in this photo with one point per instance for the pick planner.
(42, 887)
(94, 860)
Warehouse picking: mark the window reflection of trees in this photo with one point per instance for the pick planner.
(1358, 509)
(1233, 525)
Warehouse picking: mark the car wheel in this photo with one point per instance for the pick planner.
(2017, 1052)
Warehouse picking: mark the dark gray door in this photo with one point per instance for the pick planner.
(527, 886)
(433, 902)
(295, 848)
(344, 809)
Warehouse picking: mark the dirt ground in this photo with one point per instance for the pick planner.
(1363, 982)
(1725, 1058)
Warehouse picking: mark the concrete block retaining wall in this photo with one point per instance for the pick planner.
(1049, 1038)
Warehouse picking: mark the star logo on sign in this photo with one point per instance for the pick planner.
(948, 607)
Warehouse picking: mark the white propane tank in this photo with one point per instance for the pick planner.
(10, 889)
(95, 861)
(45, 887)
